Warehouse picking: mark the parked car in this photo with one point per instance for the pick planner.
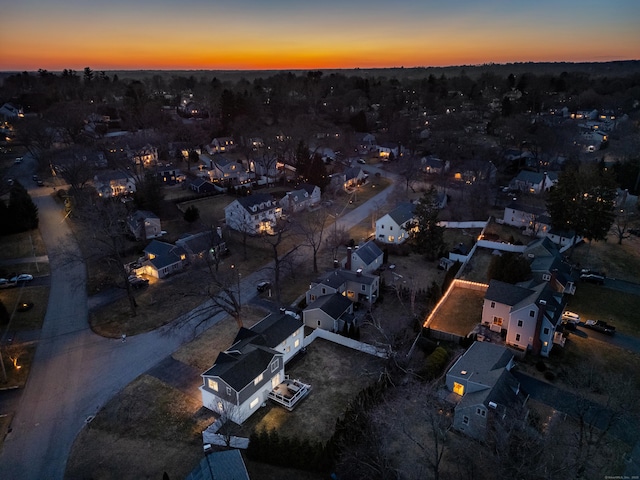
(4, 282)
(18, 160)
(40, 183)
(35, 178)
(600, 326)
(570, 317)
(592, 278)
(362, 161)
(23, 277)
(263, 286)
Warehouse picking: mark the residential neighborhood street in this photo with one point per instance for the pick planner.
(75, 372)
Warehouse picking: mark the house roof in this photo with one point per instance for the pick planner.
(527, 208)
(368, 252)
(238, 368)
(165, 253)
(351, 172)
(199, 242)
(333, 305)
(337, 278)
(271, 331)
(307, 187)
(257, 200)
(506, 293)
(535, 178)
(402, 213)
(222, 465)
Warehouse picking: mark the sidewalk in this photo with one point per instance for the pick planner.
(16, 261)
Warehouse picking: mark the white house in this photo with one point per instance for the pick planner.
(163, 259)
(303, 197)
(114, 183)
(144, 225)
(256, 213)
(528, 317)
(394, 227)
(531, 219)
(365, 258)
(356, 286)
(221, 145)
(534, 182)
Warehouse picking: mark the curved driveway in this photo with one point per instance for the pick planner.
(75, 372)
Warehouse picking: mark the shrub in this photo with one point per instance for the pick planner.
(435, 363)
(540, 366)
(549, 375)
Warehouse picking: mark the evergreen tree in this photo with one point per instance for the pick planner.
(22, 212)
(191, 214)
(426, 234)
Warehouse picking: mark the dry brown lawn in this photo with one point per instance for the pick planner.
(613, 260)
(22, 245)
(460, 313)
(147, 429)
(476, 269)
(31, 319)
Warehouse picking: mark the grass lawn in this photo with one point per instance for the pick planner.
(31, 319)
(476, 269)
(460, 313)
(21, 245)
(613, 260)
(147, 429)
(599, 303)
(16, 375)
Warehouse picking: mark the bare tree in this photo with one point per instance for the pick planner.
(283, 245)
(313, 228)
(106, 221)
(228, 420)
(620, 227)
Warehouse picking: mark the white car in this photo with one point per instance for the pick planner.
(570, 317)
(23, 277)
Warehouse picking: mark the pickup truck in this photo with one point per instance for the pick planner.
(600, 326)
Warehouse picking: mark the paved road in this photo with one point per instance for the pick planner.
(75, 372)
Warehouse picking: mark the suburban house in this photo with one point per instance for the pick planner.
(207, 245)
(531, 219)
(262, 167)
(527, 317)
(162, 259)
(9, 111)
(256, 213)
(223, 169)
(170, 176)
(220, 145)
(220, 465)
(303, 197)
(547, 265)
(358, 287)
(200, 185)
(365, 142)
(350, 178)
(387, 149)
(329, 312)
(146, 155)
(534, 182)
(114, 183)
(365, 258)
(483, 389)
(244, 375)
(534, 220)
(144, 224)
(395, 226)
(434, 165)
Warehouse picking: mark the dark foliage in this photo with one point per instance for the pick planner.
(509, 267)
(191, 214)
(21, 214)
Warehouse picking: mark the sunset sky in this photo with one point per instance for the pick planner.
(305, 34)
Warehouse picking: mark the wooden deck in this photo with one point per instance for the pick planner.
(289, 393)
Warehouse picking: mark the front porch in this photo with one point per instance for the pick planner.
(289, 393)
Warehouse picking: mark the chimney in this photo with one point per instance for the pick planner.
(347, 265)
(359, 272)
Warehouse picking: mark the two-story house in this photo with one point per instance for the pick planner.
(144, 224)
(365, 258)
(206, 246)
(531, 219)
(253, 214)
(303, 197)
(244, 375)
(528, 317)
(221, 145)
(547, 265)
(483, 389)
(357, 286)
(534, 182)
(395, 227)
(114, 183)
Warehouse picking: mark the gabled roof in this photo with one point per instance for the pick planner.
(339, 277)
(199, 242)
(165, 253)
(333, 305)
(239, 368)
(534, 178)
(257, 199)
(351, 172)
(506, 293)
(402, 213)
(368, 252)
(307, 187)
(222, 465)
(271, 331)
(527, 208)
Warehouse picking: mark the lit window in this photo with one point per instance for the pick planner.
(213, 385)
(458, 388)
(497, 321)
(254, 402)
(296, 343)
(258, 379)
